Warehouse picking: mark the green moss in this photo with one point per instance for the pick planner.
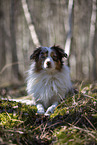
(9, 120)
(74, 121)
(75, 136)
(14, 113)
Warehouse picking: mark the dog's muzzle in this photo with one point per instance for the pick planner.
(48, 64)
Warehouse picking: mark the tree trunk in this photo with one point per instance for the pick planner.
(2, 40)
(91, 41)
(15, 68)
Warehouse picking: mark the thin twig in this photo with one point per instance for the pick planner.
(85, 95)
(77, 121)
(20, 132)
(55, 124)
(89, 122)
(11, 64)
(8, 65)
(84, 130)
(43, 131)
(14, 119)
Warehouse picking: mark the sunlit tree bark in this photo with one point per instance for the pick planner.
(91, 39)
(30, 24)
(69, 35)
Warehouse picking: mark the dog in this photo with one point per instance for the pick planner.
(48, 78)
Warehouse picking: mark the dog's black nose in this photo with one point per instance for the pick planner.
(48, 63)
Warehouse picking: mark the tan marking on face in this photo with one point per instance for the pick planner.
(43, 54)
(58, 65)
(56, 60)
(52, 53)
(38, 65)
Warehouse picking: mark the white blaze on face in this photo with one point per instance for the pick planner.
(49, 62)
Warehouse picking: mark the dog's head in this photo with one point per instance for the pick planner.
(48, 58)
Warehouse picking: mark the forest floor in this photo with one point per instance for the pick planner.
(74, 121)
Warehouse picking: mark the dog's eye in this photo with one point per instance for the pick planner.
(55, 58)
(42, 55)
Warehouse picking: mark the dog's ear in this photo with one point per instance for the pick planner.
(35, 54)
(59, 50)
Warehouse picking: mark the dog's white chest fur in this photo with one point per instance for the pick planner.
(48, 88)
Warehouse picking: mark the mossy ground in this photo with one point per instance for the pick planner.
(74, 121)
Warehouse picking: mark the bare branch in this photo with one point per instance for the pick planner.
(29, 22)
(92, 34)
(69, 35)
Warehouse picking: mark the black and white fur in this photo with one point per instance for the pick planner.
(48, 78)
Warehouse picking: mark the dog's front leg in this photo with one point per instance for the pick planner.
(51, 109)
(40, 109)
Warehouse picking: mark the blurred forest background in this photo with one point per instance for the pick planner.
(26, 24)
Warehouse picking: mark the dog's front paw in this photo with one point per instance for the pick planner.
(40, 109)
(50, 110)
(40, 112)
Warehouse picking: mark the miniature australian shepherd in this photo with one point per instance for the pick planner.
(48, 78)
